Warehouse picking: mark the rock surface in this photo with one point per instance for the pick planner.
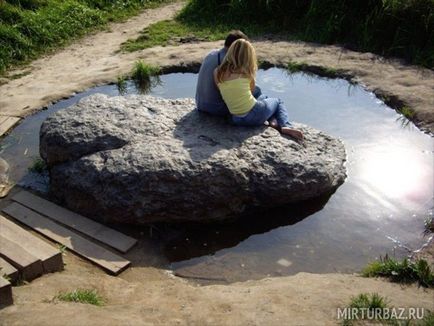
(140, 159)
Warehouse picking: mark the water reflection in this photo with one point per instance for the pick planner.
(182, 242)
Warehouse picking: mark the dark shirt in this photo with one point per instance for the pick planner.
(208, 98)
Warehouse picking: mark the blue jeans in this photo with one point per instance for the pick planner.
(219, 108)
(265, 109)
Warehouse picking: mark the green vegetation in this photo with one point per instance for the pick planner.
(405, 271)
(429, 225)
(167, 31)
(82, 296)
(407, 115)
(401, 28)
(371, 303)
(293, 66)
(121, 84)
(406, 112)
(38, 165)
(428, 319)
(145, 76)
(29, 28)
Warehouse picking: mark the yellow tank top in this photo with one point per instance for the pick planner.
(237, 95)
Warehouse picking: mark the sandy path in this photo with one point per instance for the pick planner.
(147, 295)
(86, 62)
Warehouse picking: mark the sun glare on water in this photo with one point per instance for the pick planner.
(397, 175)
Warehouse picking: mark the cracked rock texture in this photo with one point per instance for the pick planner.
(141, 159)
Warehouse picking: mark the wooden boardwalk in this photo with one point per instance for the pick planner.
(95, 230)
(24, 256)
(6, 123)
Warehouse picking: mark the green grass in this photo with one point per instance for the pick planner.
(406, 115)
(406, 112)
(294, 66)
(173, 32)
(404, 271)
(121, 84)
(38, 165)
(373, 304)
(82, 296)
(428, 320)
(400, 28)
(145, 76)
(29, 28)
(370, 302)
(429, 225)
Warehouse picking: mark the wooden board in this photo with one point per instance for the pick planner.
(28, 266)
(50, 257)
(6, 298)
(8, 270)
(93, 229)
(111, 262)
(7, 123)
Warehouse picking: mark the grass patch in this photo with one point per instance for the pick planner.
(38, 165)
(406, 116)
(429, 225)
(406, 112)
(145, 76)
(369, 306)
(428, 319)
(399, 28)
(82, 296)
(121, 84)
(173, 32)
(29, 28)
(294, 66)
(404, 271)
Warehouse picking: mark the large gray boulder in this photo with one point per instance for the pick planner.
(141, 159)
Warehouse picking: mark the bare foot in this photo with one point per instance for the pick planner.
(298, 135)
(273, 123)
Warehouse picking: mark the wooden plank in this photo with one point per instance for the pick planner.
(50, 257)
(28, 266)
(93, 229)
(111, 262)
(8, 123)
(6, 298)
(8, 270)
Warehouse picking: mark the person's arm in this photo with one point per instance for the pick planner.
(252, 85)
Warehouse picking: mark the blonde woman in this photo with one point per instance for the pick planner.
(235, 78)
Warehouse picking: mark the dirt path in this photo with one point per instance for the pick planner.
(145, 295)
(91, 60)
(148, 295)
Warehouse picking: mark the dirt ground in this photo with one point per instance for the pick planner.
(147, 294)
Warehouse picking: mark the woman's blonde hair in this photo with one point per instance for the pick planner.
(241, 59)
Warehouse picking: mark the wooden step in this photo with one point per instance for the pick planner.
(8, 271)
(93, 229)
(28, 265)
(7, 123)
(50, 256)
(6, 298)
(111, 262)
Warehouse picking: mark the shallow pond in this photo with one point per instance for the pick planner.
(379, 209)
